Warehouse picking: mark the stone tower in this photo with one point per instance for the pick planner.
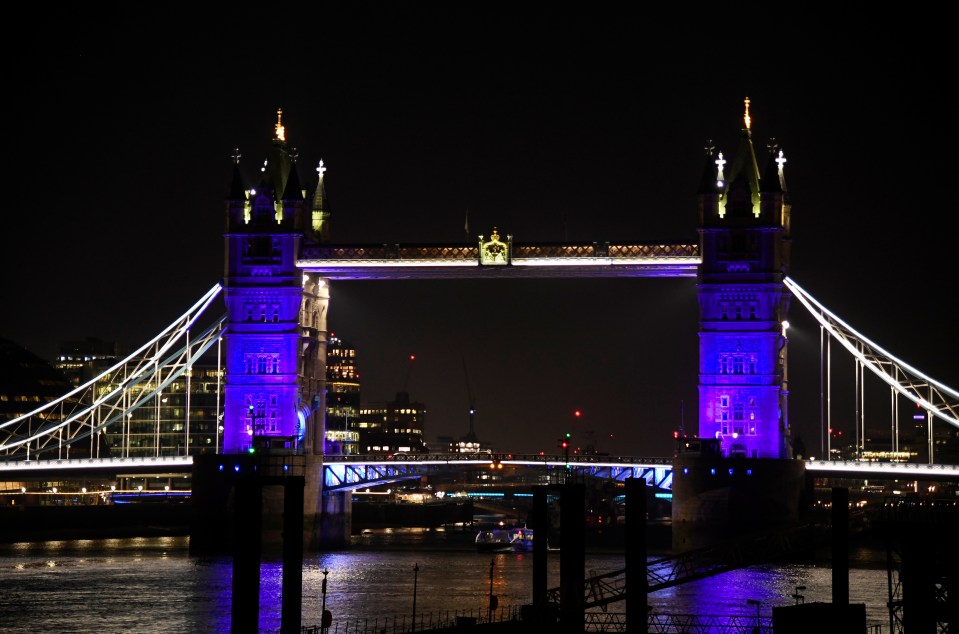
(276, 315)
(735, 479)
(274, 395)
(744, 232)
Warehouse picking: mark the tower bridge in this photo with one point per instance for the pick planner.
(268, 392)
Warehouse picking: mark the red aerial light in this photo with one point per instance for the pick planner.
(412, 357)
(675, 434)
(577, 413)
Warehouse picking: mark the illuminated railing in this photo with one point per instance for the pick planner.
(429, 253)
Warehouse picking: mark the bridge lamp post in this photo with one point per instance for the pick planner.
(219, 431)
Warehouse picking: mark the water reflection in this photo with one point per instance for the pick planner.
(153, 584)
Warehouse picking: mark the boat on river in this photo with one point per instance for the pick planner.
(517, 539)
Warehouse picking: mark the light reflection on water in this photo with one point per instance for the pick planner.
(152, 584)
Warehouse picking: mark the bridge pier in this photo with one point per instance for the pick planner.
(718, 499)
(326, 519)
(247, 549)
(335, 522)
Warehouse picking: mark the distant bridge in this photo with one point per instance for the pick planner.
(349, 473)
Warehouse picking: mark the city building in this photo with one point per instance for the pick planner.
(393, 427)
(81, 361)
(342, 398)
(26, 381)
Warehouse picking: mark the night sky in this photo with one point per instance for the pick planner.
(546, 125)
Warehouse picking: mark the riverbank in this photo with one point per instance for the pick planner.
(106, 521)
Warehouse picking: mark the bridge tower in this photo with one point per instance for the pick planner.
(274, 395)
(744, 231)
(276, 315)
(736, 477)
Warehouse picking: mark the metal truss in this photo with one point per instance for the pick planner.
(934, 397)
(938, 518)
(681, 623)
(707, 624)
(655, 476)
(343, 476)
(104, 402)
(602, 590)
(349, 473)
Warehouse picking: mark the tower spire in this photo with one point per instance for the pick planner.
(746, 118)
(280, 130)
(320, 222)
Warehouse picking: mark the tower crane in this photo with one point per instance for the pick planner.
(471, 436)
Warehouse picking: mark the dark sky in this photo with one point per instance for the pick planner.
(548, 125)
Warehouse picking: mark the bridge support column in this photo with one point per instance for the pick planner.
(636, 553)
(918, 576)
(247, 515)
(335, 521)
(572, 558)
(840, 546)
(540, 526)
(292, 601)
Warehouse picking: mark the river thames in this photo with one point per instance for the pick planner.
(154, 585)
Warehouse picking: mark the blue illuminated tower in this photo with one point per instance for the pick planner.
(744, 232)
(276, 331)
(275, 375)
(737, 479)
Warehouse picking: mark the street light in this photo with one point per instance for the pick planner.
(489, 612)
(325, 620)
(416, 570)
